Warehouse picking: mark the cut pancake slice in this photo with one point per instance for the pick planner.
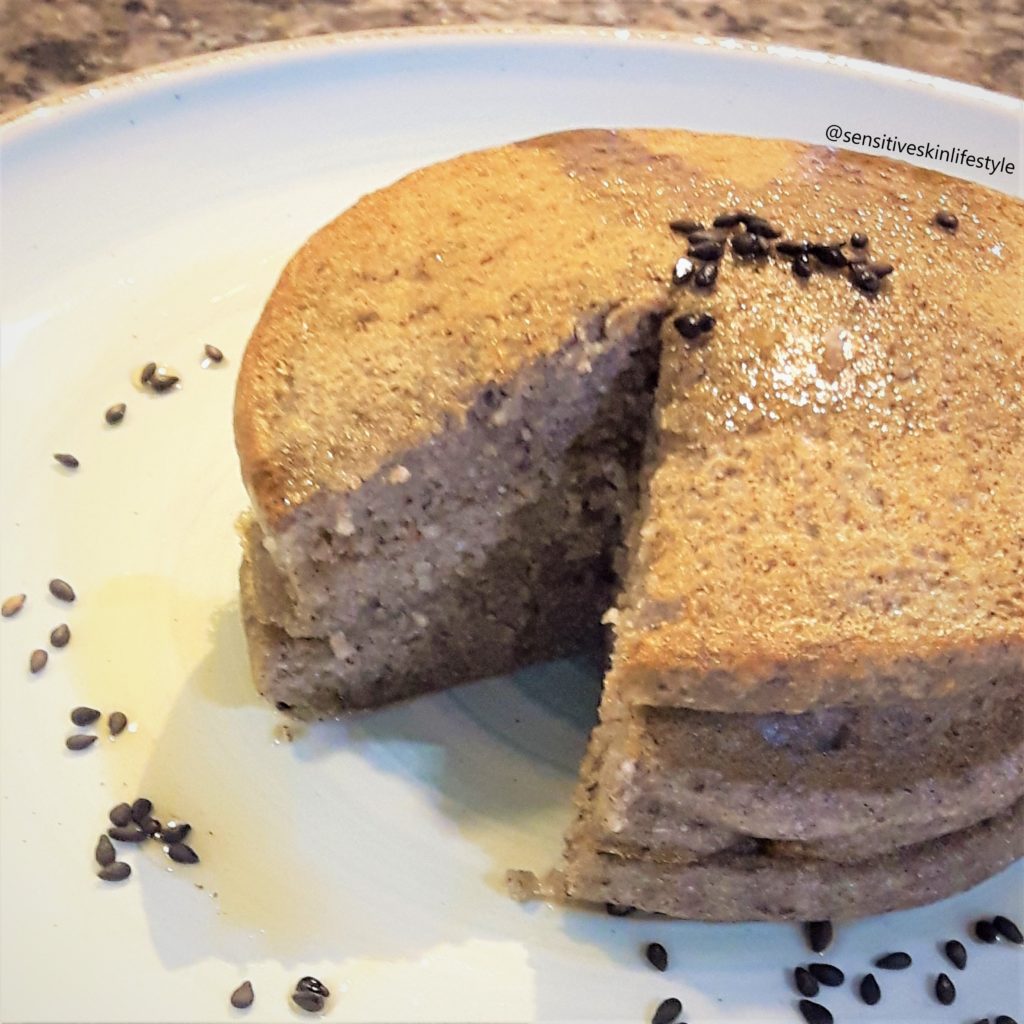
(486, 548)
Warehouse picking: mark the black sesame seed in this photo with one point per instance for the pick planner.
(84, 716)
(182, 854)
(880, 269)
(12, 605)
(120, 815)
(614, 910)
(706, 276)
(115, 413)
(667, 1012)
(815, 1013)
(685, 226)
(947, 220)
(657, 956)
(688, 325)
(985, 931)
(37, 661)
(66, 459)
(282, 705)
(806, 983)
(60, 635)
(105, 851)
(1007, 929)
(1005, 1018)
(829, 255)
(945, 990)
(150, 826)
(696, 237)
(161, 382)
(864, 280)
(894, 961)
(802, 266)
(308, 1001)
(728, 220)
(117, 723)
(819, 935)
(827, 974)
(213, 353)
(141, 809)
(858, 240)
(147, 373)
(749, 246)
(242, 997)
(314, 985)
(763, 228)
(80, 741)
(787, 247)
(706, 251)
(175, 831)
(116, 872)
(869, 990)
(956, 953)
(683, 270)
(61, 590)
(127, 834)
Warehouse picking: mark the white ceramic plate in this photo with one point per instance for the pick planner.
(148, 216)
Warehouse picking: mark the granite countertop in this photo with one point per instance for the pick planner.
(51, 44)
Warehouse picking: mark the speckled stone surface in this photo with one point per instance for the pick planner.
(51, 44)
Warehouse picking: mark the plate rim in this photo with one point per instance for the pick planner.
(72, 99)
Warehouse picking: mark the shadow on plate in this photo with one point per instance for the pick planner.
(294, 823)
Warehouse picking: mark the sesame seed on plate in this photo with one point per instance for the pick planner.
(945, 990)
(894, 961)
(120, 815)
(127, 834)
(62, 590)
(827, 974)
(667, 1012)
(869, 990)
(83, 715)
(182, 854)
(116, 872)
(806, 983)
(242, 997)
(657, 956)
(956, 953)
(815, 1013)
(105, 853)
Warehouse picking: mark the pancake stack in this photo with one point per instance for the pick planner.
(752, 404)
